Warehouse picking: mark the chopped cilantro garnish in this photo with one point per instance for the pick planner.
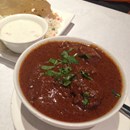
(69, 77)
(46, 67)
(72, 59)
(64, 74)
(85, 101)
(50, 73)
(66, 81)
(66, 58)
(86, 75)
(53, 61)
(65, 54)
(86, 94)
(65, 70)
(53, 74)
(64, 61)
(115, 93)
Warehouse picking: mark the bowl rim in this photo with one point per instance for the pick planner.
(54, 122)
(30, 17)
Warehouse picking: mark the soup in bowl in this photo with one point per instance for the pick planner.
(69, 82)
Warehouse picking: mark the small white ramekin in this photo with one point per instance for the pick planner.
(19, 46)
(49, 120)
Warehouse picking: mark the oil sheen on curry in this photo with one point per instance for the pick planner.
(70, 81)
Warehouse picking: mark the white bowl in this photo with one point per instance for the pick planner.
(49, 120)
(19, 31)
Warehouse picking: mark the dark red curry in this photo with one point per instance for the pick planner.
(70, 81)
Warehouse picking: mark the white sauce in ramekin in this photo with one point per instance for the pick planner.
(21, 30)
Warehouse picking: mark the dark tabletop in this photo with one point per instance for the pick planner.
(120, 6)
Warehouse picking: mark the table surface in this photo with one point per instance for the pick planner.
(95, 23)
(120, 6)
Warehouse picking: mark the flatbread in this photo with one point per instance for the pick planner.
(39, 7)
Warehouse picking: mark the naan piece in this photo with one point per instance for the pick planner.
(39, 7)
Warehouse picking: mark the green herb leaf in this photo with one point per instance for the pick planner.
(63, 75)
(85, 56)
(86, 94)
(67, 58)
(70, 77)
(53, 61)
(65, 54)
(72, 59)
(64, 61)
(65, 70)
(67, 80)
(66, 83)
(85, 101)
(115, 93)
(52, 73)
(45, 67)
(86, 75)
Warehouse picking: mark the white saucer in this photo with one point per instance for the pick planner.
(24, 120)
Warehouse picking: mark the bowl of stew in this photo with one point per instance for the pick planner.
(69, 82)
